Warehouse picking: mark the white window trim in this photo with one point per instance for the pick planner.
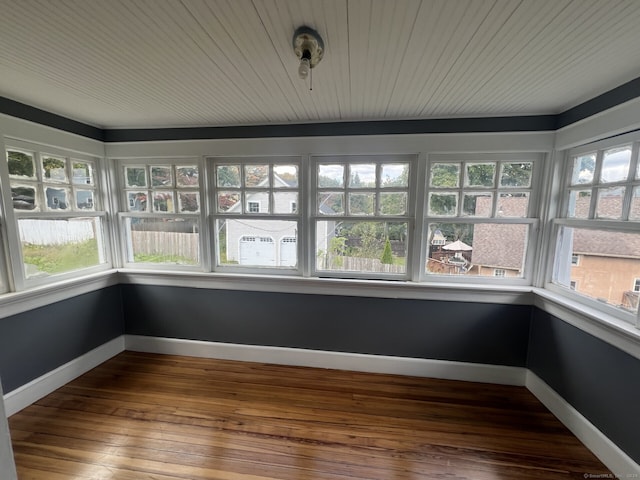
(122, 202)
(17, 277)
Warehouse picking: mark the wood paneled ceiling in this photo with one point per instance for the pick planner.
(158, 63)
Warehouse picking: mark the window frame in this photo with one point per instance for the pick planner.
(17, 277)
(124, 214)
(562, 219)
(265, 214)
(379, 159)
(532, 220)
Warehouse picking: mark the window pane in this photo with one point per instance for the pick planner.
(634, 213)
(228, 176)
(84, 200)
(285, 202)
(50, 247)
(516, 174)
(608, 268)
(163, 202)
(362, 176)
(394, 175)
(583, 169)
(24, 197)
(610, 202)
(579, 203)
(256, 176)
(362, 203)
(188, 202)
(445, 175)
(137, 201)
(477, 249)
(21, 165)
(369, 247)
(477, 204)
(257, 243)
(257, 202)
(161, 177)
(443, 204)
(82, 173)
(331, 203)
(513, 204)
(135, 176)
(187, 176)
(480, 175)
(228, 201)
(163, 240)
(57, 198)
(54, 169)
(615, 164)
(330, 176)
(286, 176)
(393, 203)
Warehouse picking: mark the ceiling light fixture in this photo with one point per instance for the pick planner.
(309, 48)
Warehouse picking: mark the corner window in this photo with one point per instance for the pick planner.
(161, 212)
(57, 208)
(256, 219)
(598, 232)
(479, 215)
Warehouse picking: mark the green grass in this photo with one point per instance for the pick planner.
(162, 258)
(54, 259)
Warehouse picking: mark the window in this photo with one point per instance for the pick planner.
(57, 208)
(362, 215)
(479, 215)
(598, 229)
(161, 212)
(255, 212)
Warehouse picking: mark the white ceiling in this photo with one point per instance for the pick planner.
(154, 63)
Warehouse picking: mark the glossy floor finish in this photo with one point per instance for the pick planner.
(160, 417)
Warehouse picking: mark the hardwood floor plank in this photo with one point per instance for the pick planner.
(168, 417)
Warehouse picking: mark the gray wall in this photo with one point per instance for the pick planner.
(466, 332)
(38, 341)
(597, 379)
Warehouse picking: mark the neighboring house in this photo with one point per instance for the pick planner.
(269, 242)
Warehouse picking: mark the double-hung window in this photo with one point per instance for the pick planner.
(256, 219)
(58, 211)
(480, 216)
(363, 215)
(599, 223)
(161, 212)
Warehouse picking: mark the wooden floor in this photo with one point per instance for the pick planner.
(144, 416)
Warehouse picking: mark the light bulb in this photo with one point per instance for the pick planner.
(303, 69)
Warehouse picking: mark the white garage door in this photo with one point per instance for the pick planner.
(258, 251)
(288, 252)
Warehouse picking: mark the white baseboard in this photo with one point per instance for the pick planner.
(417, 367)
(36, 389)
(620, 464)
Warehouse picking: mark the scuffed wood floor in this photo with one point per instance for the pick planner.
(143, 416)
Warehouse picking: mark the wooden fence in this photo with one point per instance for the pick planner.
(174, 244)
(357, 264)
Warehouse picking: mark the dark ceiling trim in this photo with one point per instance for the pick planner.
(531, 123)
(386, 127)
(617, 96)
(42, 117)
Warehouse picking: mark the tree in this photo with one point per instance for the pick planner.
(387, 256)
(20, 164)
(516, 174)
(481, 174)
